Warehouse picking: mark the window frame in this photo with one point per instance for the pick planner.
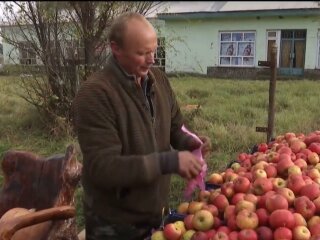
(236, 44)
(25, 49)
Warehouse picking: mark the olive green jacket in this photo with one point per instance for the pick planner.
(128, 155)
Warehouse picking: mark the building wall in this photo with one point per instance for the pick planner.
(196, 42)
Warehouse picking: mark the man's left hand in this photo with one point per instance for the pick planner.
(206, 146)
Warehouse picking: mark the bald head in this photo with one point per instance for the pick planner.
(128, 25)
(133, 43)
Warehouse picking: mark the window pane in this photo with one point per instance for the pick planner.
(248, 61)
(225, 36)
(225, 61)
(236, 61)
(237, 36)
(249, 37)
(272, 34)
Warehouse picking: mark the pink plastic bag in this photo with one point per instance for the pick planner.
(198, 181)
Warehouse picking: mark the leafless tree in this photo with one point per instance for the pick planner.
(60, 44)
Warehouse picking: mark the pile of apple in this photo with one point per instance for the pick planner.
(273, 193)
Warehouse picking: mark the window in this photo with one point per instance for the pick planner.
(237, 48)
(27, 54)
(74, 50)
(160, 54)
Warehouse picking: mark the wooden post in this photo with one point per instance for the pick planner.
(272, 89)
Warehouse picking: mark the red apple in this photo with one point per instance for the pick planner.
(301, 233)
(282, 233)
(262, 185)
(237, 197)
(227, 189)
(301, 163)
(305, 207)
(299, 219)
(275, 202)
(246, 219)
(195, 206)
(263, 216)
(233, 235)
(281, 217)
(313, 158)
(315, 230)
(262, 199)
(230, 210)
(244, 204)
(317, 204)
(251, 198)
(172, 232)
(211, 208)
(313, 220)
(262, 147)
(220, 236)
(247, 234)
(204, 196)
(221, 202)
(312, 191)
(210, 233)
(278, 182)
(188, 221)
(271, 171)
(284, 163)
(314, 147)
(241, 184)
(199, 235)
(215, 178)
(285, 150)
(232, 223)
(295, 183)
(202, 220)
(264, 233)
(183, 208)
(288, 194)
(224, 229)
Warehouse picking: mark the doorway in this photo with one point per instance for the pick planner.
(292, 52)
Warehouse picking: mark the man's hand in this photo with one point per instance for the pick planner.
(205, 147)
(189, 165)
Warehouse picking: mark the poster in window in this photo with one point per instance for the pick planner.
(224, 61)
(228, 49)
(246, 49)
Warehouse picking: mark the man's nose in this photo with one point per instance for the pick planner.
(150, 58)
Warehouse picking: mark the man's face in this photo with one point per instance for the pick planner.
(136, 55)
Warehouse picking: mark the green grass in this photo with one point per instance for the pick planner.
(230, 110)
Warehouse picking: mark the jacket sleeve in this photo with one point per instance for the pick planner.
(101, 147)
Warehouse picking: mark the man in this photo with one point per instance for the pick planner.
(129, 129)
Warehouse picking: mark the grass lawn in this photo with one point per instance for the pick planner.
(230, 111)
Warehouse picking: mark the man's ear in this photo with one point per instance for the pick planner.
(114, 48)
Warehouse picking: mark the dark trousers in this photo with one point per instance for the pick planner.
(98, 228)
